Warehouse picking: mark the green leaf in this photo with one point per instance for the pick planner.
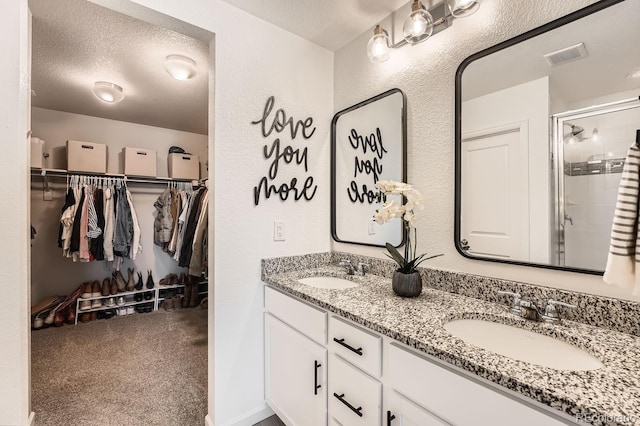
(417, 261)
(395, 255)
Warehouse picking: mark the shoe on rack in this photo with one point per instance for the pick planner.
(96, 303)
(148, 295)
(110, 302)
(187, 295)
(173, 279)
(86, 317)
(70, 315)
(106, 287)
(58, 320)
(120, 300)
(113, 290)
(131, 282)
(194, 300)
(87, 291)
(139, 284)
(130, 310)
(85, 304)
(150, 283)
(168, 304)
(122, 285)
(109, 313)
(94, 316)
(148, 309)
(95, 289)
(183, 279)
(121, 312)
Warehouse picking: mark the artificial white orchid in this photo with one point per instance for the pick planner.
(411, 200)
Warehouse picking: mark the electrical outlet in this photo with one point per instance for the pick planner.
(47, 195)
(278, 230)
(372, 228)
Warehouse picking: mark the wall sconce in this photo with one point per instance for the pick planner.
(419, 26)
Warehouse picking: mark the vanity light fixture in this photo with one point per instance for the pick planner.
(419, 26)
(180, 67)
(108, 92)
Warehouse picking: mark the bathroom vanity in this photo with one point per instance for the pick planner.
(364, 356)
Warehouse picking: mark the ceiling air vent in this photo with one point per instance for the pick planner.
(568, 54)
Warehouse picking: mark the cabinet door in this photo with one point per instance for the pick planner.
(295, 375)
(403, 412)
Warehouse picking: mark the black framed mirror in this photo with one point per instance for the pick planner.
(368, 144)
(542, 125)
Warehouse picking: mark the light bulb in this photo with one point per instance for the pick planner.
(463, 8)
(180, 67)
(419, 25)
(378, 46)
(594, 135)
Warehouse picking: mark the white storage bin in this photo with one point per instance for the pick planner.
(139, 162)
(37, 146)
(86, 157)
(184, 166)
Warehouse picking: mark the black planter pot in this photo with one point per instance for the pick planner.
(407, 285)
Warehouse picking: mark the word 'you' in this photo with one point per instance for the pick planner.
(366, 166)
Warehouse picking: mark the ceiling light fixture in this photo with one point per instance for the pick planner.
(180, 67)
(378, 47)
(108, 92)
(463, 8)
(419, 26)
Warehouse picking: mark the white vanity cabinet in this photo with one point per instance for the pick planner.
(451, 398)
(365, 378)
(295, 363)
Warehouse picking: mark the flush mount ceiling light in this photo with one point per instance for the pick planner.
(108, 92)
(180, 67)
(419, 26)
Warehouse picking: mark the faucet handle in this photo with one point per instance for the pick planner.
(362, 268)
(551, 312)
(517, 299)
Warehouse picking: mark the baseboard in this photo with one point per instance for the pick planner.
(32, 419)
(249, 418)
(208, 421)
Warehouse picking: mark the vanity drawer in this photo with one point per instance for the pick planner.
(442, 392)
(354, 397)
(356, 345)
(305, 318)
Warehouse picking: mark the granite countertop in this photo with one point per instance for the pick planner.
(609, 395)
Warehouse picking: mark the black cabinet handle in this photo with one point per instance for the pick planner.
(390, 417)
(351, 348)
(358, 410)
(316, 386)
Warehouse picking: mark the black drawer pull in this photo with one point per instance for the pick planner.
(186, 158)
(86, 146)
(316, 386)
(351, 348)
(358, 410)
(390, 417)
(141, 153)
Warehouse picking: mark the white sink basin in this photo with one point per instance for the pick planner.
(523, 345)
(328, 282)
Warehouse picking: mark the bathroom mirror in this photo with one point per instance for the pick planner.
(368, 144)
(543, 124)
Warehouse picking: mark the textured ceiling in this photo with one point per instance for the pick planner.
(610, 37)
(329, 23)
(76, 43)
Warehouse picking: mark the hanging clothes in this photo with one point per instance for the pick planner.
(109, 220)
(190, 229)
(96, 246)
(196, 264)
(163, 222)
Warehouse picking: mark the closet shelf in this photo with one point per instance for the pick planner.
(135, 179)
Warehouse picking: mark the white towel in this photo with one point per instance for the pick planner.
(624, 251)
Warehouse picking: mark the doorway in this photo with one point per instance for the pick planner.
(146, 195)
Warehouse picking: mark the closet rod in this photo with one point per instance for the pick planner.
(139, 179)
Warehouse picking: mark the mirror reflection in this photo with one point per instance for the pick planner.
(545, 122)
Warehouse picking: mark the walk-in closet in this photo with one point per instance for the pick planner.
(119, 218)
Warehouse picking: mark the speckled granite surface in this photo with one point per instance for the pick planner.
(604, 395)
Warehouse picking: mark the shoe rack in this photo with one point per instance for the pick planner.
(158, 295)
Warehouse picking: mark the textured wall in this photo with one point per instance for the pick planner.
(426, 73)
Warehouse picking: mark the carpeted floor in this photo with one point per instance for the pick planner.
(141, 369)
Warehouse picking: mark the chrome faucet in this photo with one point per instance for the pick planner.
(528, 310)
(362, 269)
(346, 264)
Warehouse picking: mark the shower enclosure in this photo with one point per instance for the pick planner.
(589, 146)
